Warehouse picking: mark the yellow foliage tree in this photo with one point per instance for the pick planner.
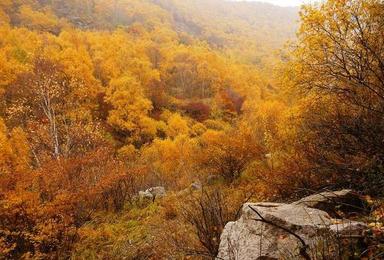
(14, 150)
(172, 162)
(130, 110)
(177, 125)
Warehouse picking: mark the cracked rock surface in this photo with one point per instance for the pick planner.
(284, 231)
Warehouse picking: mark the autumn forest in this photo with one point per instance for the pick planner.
(137, 129)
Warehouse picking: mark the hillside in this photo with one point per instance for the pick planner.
(250, 30)
(137, 129)
(246, 27)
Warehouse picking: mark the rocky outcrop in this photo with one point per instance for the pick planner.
(284, 231)
(157, 192)
(145, 195)
(152, 193)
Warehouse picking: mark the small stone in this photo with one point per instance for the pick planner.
(196, 186)
(157, 192)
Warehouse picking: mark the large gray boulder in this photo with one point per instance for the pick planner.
(284, 231)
